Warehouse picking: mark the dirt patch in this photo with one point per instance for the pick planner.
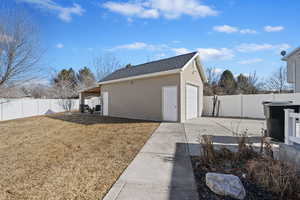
(66, 156)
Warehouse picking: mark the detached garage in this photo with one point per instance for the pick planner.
(164, 90)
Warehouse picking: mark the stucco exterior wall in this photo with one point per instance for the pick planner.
(140, 98)
(293, 72)
(191, 76)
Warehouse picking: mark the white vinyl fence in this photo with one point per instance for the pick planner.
(27, 107)
(245, 106)
(291, 127)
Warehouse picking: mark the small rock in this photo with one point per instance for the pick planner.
(226, 185)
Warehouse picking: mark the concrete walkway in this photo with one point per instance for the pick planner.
(162, 169)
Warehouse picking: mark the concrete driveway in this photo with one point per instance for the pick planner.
(223, 130)
(162, 169)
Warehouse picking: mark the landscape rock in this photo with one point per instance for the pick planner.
(225, 185)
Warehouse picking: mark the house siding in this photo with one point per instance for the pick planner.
(140, 98)
(191, 76)
(293, 72)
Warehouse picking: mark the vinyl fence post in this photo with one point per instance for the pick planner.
(242, 105)
(22, 109)
(1, 105)
(288, 125)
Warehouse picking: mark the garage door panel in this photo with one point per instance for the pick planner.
(191, 101)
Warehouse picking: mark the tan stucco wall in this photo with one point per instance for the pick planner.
(140, 98)
(191, 76)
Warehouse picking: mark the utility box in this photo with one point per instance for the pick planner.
(274, 114)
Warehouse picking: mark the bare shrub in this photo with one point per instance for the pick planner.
(279, 177)
(208, 149)
(260, 167)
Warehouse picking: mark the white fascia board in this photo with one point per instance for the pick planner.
(201, 69)
(173, 71)
(285, 58)
(191, 60)
(83, 90)
(199, 66)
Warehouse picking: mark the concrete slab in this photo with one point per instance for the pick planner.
(171, 127)
(114, 191)
(253, 127)
(165, 143)
(162, 170)
(151, 192)
(165, 170)
(222, 129)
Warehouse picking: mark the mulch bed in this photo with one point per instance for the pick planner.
(253, 191)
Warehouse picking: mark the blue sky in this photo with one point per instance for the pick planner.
(241, 35)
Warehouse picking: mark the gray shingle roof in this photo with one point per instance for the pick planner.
(176, 62)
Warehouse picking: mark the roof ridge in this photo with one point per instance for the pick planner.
(194, 52)
(175, 62)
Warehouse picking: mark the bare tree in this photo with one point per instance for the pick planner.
(19, 48)
(213, 75)
(64, 90)
(105, 65)
(278, 80)
(211, 87)
(248, 84)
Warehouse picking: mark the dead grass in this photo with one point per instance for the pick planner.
(66, 156)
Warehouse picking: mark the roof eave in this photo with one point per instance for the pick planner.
(174, 71)
(200, 67)
(285, 58)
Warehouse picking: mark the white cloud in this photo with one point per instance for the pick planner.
(244, 74)
(176, 41)
(160, 56)
(248, 31)
(251, 61)
(5, 38)
(249, 47)
(252, 47)
(179, 51)
(64, 13)
(131, 9)
(225, 29)
(217, 70)
(169, 9)
(216, 54)
(273, 28)
(139, 46)
(59, 46)
(231, 29)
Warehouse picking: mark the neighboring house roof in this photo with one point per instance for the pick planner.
(291, 53)
(159, 67)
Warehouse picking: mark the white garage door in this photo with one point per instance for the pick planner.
(191, 101)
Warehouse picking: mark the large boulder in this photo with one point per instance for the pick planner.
(226, 185)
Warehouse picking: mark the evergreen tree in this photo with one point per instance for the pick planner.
(227, 83)
(86, 78)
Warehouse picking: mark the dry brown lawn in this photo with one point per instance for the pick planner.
(67, 156)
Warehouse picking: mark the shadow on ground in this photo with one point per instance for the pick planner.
(90, 119)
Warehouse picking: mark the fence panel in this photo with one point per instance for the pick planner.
(19, 108)
(291, 127)
(248, 106)
(252, 105)
(29, 106)
(230, 106)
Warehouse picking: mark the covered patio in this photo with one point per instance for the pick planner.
(90, 98)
